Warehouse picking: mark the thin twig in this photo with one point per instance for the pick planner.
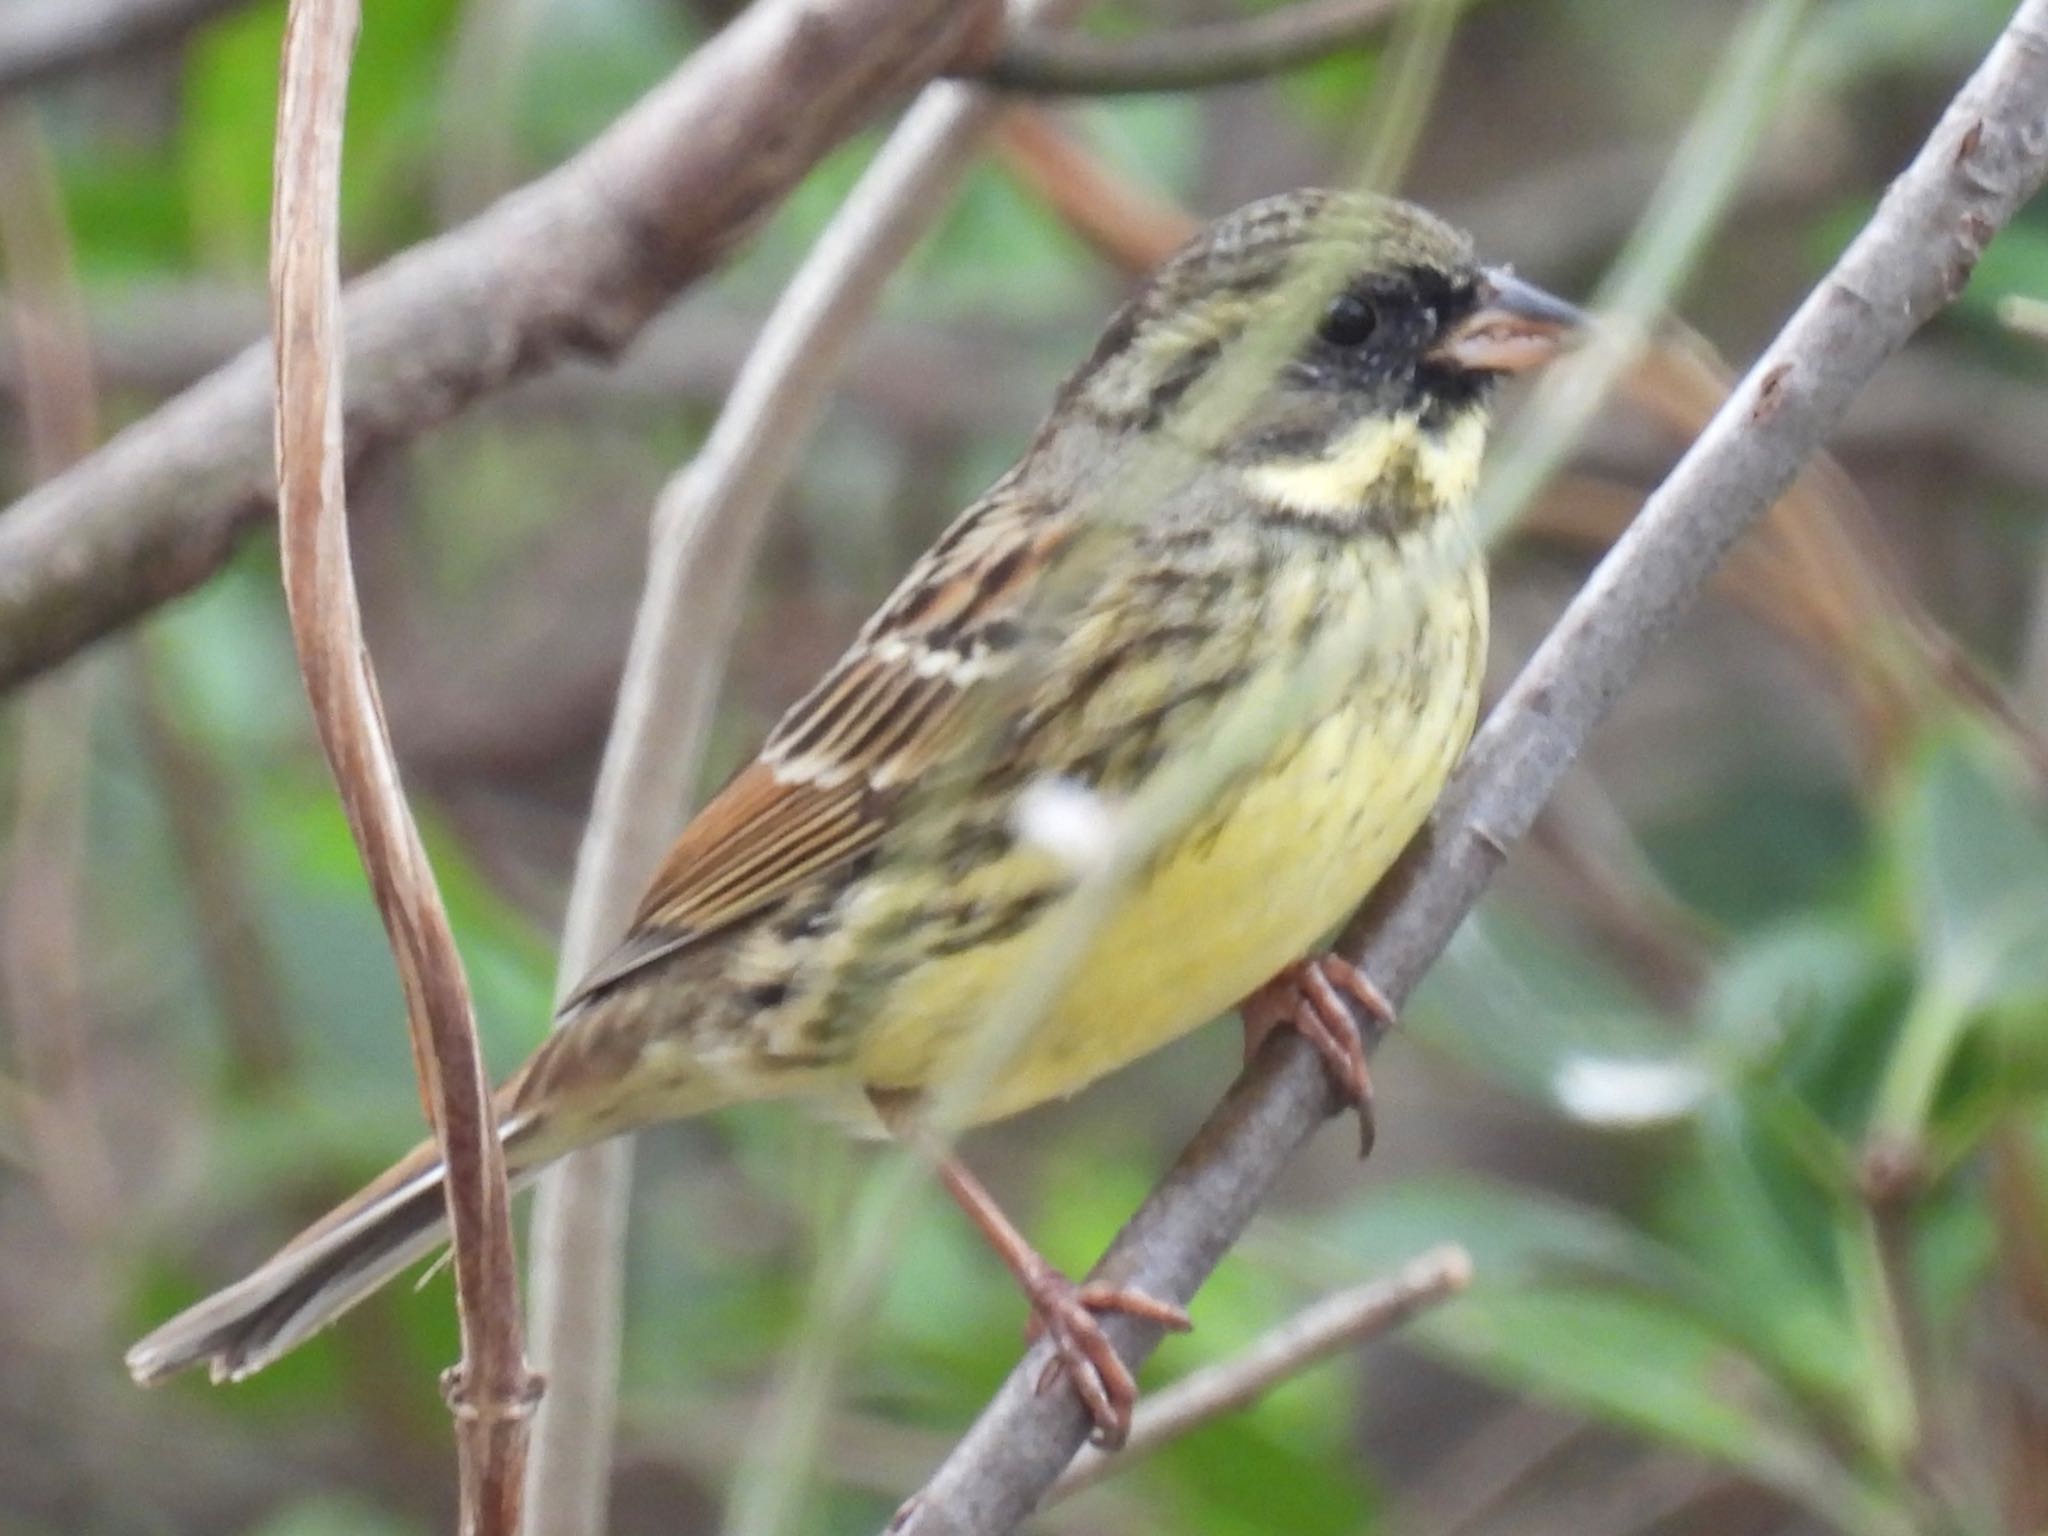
(491, 1392)
(707, 528)
(1987, 155)
(49, 39)
(1336, 1322)
(1185, 59)
(571, 266)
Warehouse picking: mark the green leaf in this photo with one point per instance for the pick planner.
(1516, 1237)
(1744, 1209)
(1770, 845)
(1972, 856)
(1626, 1359)
(1974, 861)
(1787, 981)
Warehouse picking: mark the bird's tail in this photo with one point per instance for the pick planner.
(581, 1086)
(344, 1256)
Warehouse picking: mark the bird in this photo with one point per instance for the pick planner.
(1276, 441)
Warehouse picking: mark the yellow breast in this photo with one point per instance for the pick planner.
(1287, 857)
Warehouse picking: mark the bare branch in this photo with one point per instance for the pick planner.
(1185, 59)
(1988, 155)
(572, 265)
(48, 39)
(491, 1392)
(1337, 1321)
(707, 529)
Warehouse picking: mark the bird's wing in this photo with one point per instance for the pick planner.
(822, 788)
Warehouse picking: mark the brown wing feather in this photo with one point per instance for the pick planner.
(821, 790)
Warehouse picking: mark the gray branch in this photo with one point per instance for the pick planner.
(572, 265)
(1986, 157)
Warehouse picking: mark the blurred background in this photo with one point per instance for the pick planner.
(1736, 1089)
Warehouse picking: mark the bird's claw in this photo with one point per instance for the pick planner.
(1308, 997)
(1082, 1353)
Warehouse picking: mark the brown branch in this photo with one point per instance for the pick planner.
(1337, 1321)
(49, 39)
(1988, 155)
(491, 1392)
(1185, 59)
(572, 265)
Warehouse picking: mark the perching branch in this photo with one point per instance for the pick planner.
(707, 529)
(1184, 59)
(1988, 154)
(48, 39)
(491, 1393)
(571, 265)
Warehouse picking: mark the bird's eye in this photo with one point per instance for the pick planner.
(1348, 322)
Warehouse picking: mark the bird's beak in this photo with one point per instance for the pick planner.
(1515, 327)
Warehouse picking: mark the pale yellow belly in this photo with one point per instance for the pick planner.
(1244, 897)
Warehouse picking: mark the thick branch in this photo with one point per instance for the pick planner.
(1985, 158)
(572, 265)
(48, 39)
(492, 1391)
(1185, 59)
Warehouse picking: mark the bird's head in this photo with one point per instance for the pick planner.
(1318, 340)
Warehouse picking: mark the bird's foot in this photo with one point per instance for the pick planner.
(1082, 1353)
(1308, 997)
